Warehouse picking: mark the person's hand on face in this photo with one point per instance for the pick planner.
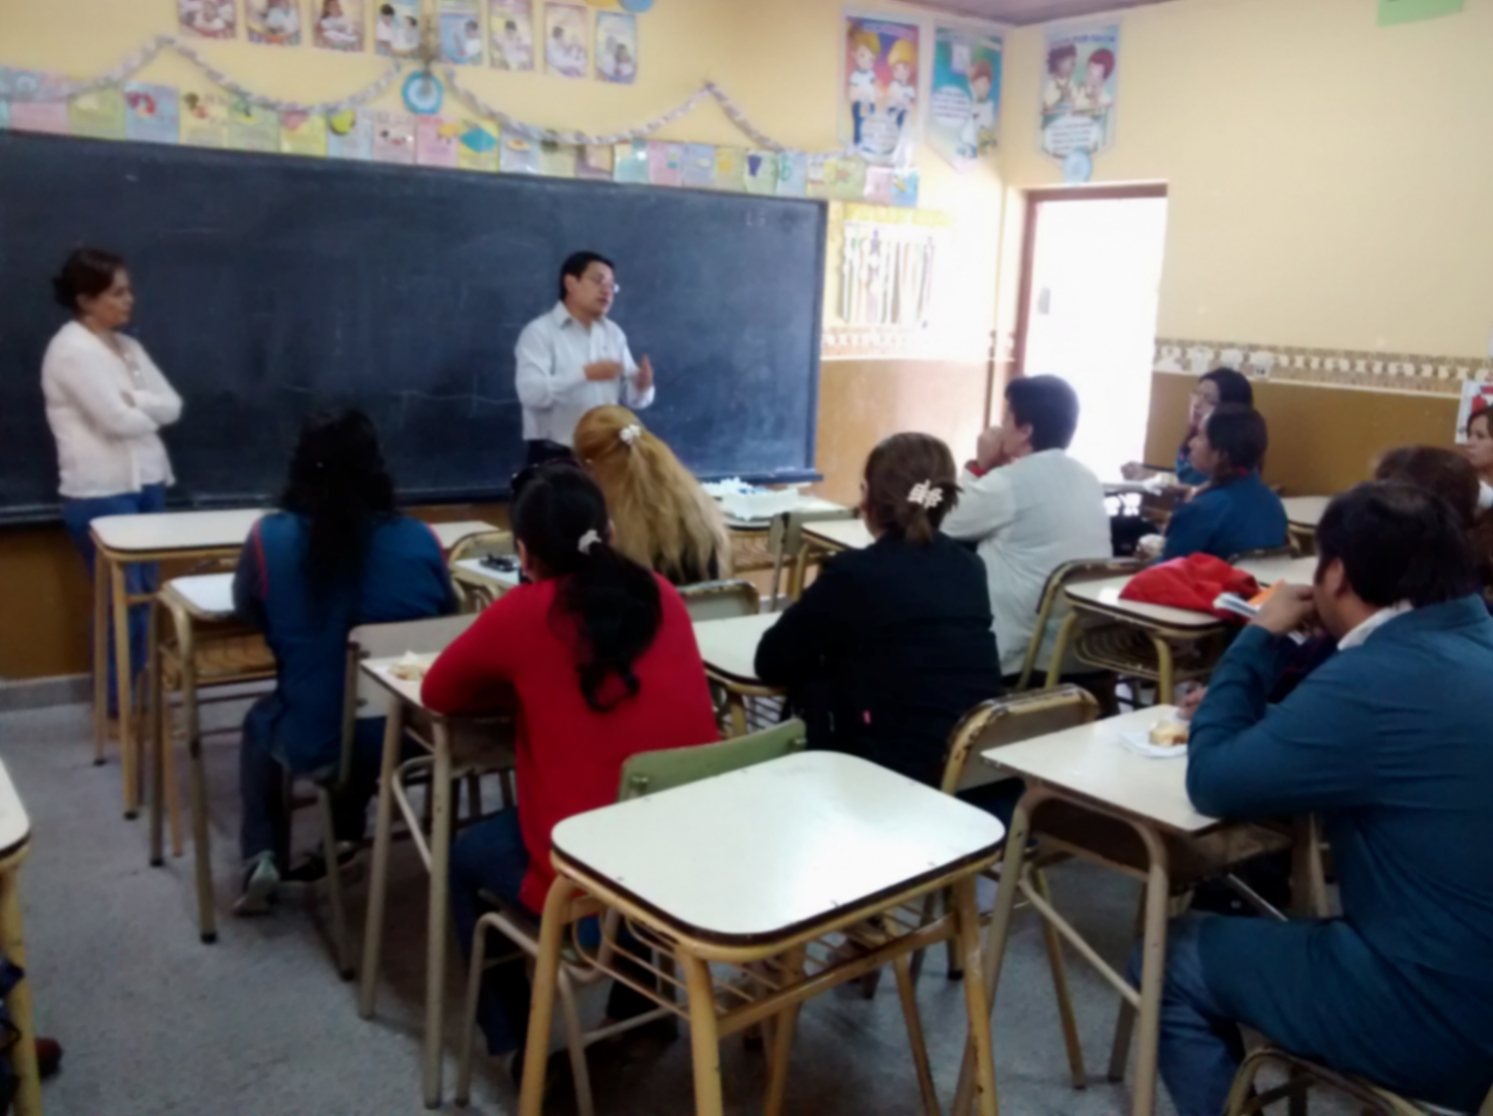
(644, 378)
(990, 449)
(1290, 608)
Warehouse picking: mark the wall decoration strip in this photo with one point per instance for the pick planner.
(1372, 371)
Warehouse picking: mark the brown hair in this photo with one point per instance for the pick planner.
(661, 517)
(1480, 413)
(895, 468)
(1452, 477)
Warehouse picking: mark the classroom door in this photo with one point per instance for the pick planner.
(1091, 276)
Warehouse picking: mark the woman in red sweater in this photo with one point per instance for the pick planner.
(597, 657)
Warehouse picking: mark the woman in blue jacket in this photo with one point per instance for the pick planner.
(1235, 511)
(336, 557)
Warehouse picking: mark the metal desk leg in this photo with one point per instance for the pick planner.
(1165, 686)
(100, 653)
(1153, 950)
(12, 941)
(1060, 648)
(737, 704)
(124, 687)
(704, 1038)
(155, 735)
(542, 1009)
(787, 1021)
(378, 884)
(207, 919)
(1308, 879)
(968, 914)
(438, 915)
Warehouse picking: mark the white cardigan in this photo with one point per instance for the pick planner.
(104, 413)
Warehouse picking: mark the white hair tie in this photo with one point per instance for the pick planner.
(630, 433)
(588, 540)
(926, 494)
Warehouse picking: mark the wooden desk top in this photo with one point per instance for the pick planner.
(1305, 511)
(502, 580)
(1104, 595)
(182, 530)
(207, 596)
(452, 533)
(840, 534)
(729, 647)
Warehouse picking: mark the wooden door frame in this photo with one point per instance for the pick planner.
(1035, 199)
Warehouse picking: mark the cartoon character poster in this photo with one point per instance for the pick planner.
(303, 133)
(1079, 81)
(274, 22)
(204, 120)
(478, 146)
(964, 109)
(461, 32)
(350, 134)
(339, 25)
(152, 113)
(394, 138)
(510, 29)
(565, 51)
(396, 29)
(208, 19)
(617, 47)
(879, 110)
(98, 115)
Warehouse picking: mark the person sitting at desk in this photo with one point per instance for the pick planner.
(893, 644)
(1030, 507)
(1214, 389)
(337, 556)
(1236, 511)
(598, 658)
(1388, 742)
(661, 517)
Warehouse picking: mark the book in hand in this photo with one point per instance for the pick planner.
(1233, 602)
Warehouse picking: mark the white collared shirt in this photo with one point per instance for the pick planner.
(1484, 495)
(552, 354)
(1361, 633)
(104, 412)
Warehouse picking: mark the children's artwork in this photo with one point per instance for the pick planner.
(761, 172)
(436, 141)
(817, 176)
(846, 179)
(208, 19)
(878, 185)
(793, 175)
(617, 47)
(730, 168)
(665, 164)
(630, 162)
(1078, 90)
(887, 269)
(350, 134)
(152, 113)
(594, 162)
(510, 29)
(905, 188)
(699, 165)
(396, 30)
(1477, 396)
(565, 40)
(99, 114)
(965, 105)
(477, 147)
(251, 128)
(394, 138)
(556, 160)
(879, 114)
(37, 103)
(275, 22)
(204, 120)
(303, 133)
(520, 154)
(339, 25)
(461, 32)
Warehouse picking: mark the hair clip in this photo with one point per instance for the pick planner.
(927, 494)
(630, 433)
(588, 540)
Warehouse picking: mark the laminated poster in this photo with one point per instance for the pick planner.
(152, 113)
(556, 160)
(204, 120)
(396, 28)
(350, 134)
(631, 162)
(510, 31)
(793, 175)
(98, 115)
(477, 147)
(816, 176)
(394, 138)
(461, 31)
(303, 133)
(251, 128)
(965, 107)
(37, 103)
(699, 165)
(1078, 91)
(340, 25)
(761, 172)
(879, 185)
(730, 168)
(520, 155)
(436, 141)
(207, 19)
(879, 96)
(565, 50)
(665, 164)
(273, 22)
(905, 189)
(846, 179)
(594, 162)
(617, 47)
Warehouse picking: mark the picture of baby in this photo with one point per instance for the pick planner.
(617, 47)
(276, 22)
(902, 93)
(565, 40)
(397, 31)
(511, 23)
(1057, 92)
(340, 25)
(208, 19)
(461, 32)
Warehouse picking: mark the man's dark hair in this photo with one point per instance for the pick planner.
(1047, 404)
(1397, 543)
(1239, 432)
(575, 266)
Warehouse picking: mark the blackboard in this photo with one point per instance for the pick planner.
(268, 286)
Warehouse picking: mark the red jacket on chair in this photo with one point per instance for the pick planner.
(1194, 583)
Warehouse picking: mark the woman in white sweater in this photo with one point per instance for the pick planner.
(106, 400)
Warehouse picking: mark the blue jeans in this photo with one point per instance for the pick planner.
(1200, 1047)
(138, 578)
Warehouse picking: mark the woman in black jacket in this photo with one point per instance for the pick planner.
(892, 644)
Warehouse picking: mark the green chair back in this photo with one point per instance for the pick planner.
(650, 772)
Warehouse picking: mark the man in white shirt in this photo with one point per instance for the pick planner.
(574, 358)
(1031, 508)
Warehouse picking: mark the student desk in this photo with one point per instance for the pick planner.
(450, 747)
(1303, 513)
(485, 581)
(1089, 797)
(773, 541)
(847, 534)
(449, 534)
(779, 856)
(729, 649)
(15, 843)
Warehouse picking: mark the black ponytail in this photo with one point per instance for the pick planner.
(606, 602)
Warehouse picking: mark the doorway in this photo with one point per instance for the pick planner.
(1090, 283)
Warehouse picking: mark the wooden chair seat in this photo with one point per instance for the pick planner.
(751, 551)
(1245, 1099)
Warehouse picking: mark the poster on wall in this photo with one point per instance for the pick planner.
(879, 94)
(339, 25)
(510, 23)
(461, 32)
(273, 22)
(617, 47)
(207, 19)
(1477, 396)
(396, 31)
(565, 40)
(1078, 95)
(964, 116)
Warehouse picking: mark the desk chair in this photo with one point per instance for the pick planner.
(1054, 609)
(643, 774)
(720, 600)
(474, 598)
(792, 549)
(1376, 1101)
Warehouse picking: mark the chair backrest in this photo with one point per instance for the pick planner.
(720, 600)
(1010, 720)
(1054, 605)
(651, 772)
(481, 545)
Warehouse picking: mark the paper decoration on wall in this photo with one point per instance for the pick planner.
(477, 146)
(38, 102)
(350, 134)
(965, 107)
(396, 31)
(273, 22)
(556, 160)
(436, 141)
(423, 93)
(520, 155)
(339, 25)
(394, 138)
(510, 27)
(879, 110)
(204, 120)
(208, 19)
(630, 162)
(879, 185)
(461, 31)
(565, 40)
(251, 128)
(1408, 11)
(887, 274)
(303, 133)
(98, 115)
(761, 172)
(699, 166)
(793, 176)
(1078, 89)
(1477, 396)
(665, 164)
(905, 189)
(846, 179)
(617, 47)
(816, 177)
(152, 113)
(730, 168)
(637, 5)
(594, 162)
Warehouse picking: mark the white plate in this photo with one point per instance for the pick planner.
(1140, 744)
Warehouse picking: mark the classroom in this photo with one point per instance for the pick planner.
(826, 556)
